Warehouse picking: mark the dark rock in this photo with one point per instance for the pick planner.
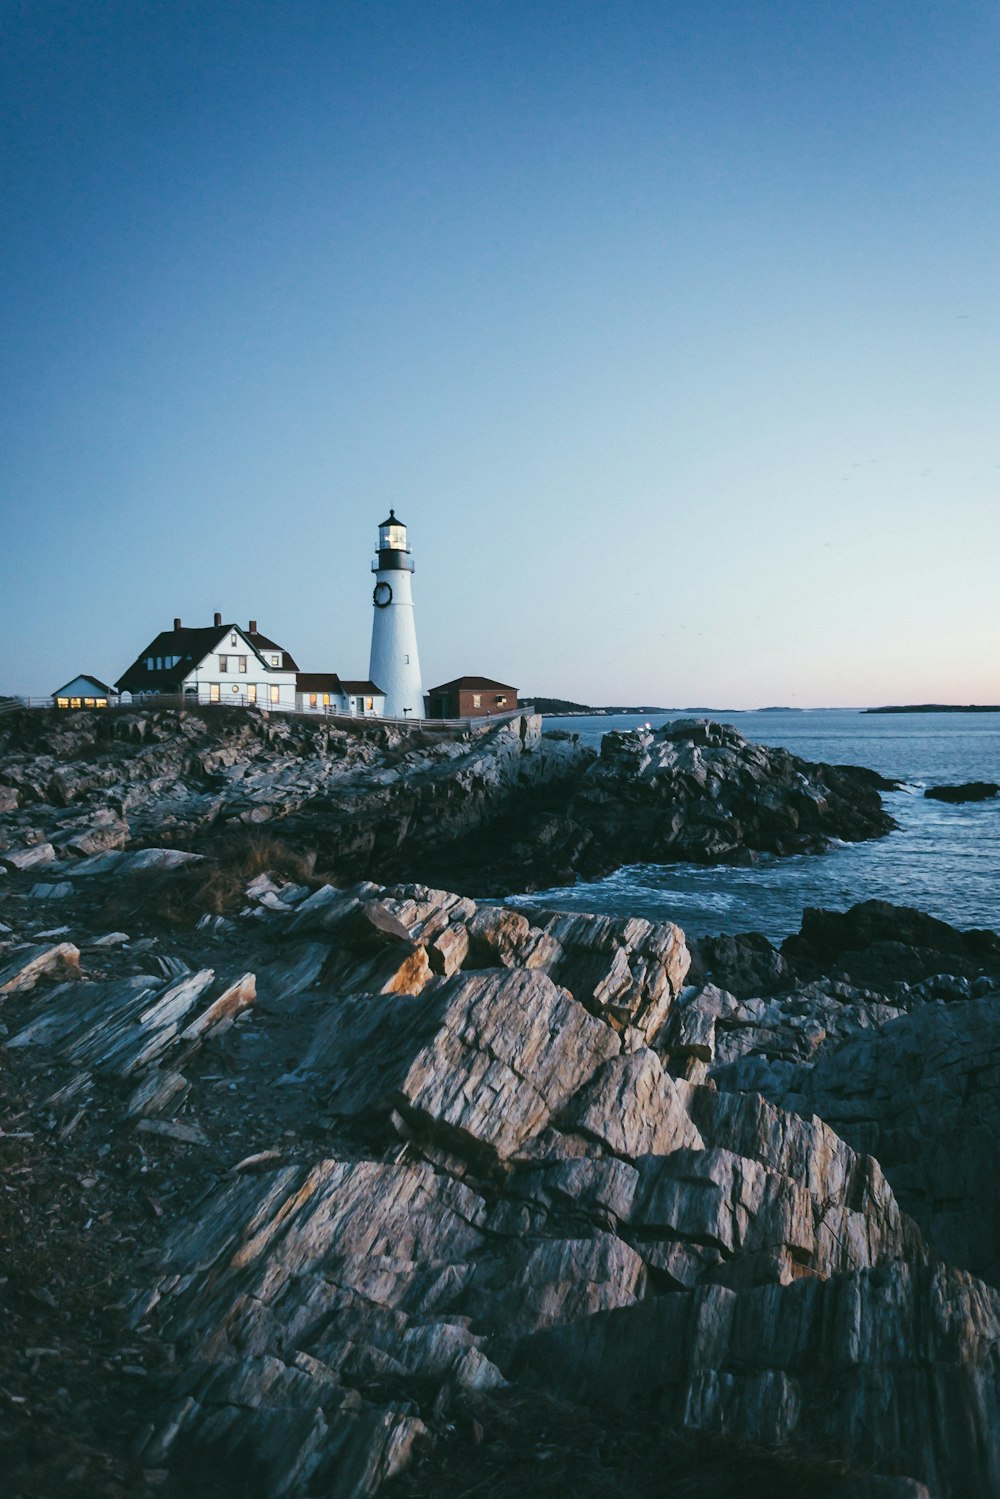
(879, 945)
(745, 964)
(972, 791)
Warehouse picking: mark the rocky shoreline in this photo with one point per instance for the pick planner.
(498, 810)
(330, 1187)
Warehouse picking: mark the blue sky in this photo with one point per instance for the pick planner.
(672, 330)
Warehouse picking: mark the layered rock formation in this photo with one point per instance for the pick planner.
(501, 809)
(396, 1147)
(468, 1150)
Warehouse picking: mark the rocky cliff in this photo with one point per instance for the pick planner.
(498, 809)
(333, 1192)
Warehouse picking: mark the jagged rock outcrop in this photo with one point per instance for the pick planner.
(697, 790)
(922, 1092)
(501, 808)
(413, 1143)
(355, 793)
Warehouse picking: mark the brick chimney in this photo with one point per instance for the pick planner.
(218, 619)
(253, 627)
(177, 624)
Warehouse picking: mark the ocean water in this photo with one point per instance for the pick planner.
(943, 859)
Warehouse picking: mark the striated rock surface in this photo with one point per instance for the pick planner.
(820, 1363)
(370, 1150)
(500, 808)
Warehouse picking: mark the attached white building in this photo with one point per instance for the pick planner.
(325, 692)
(216, 663)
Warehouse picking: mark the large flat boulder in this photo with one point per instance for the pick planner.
(483, 1058)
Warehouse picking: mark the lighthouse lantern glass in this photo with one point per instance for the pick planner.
(392, 537)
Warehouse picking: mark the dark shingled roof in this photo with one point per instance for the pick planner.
(192, 644)
(366, 689)
(318, 681)
(474, 684)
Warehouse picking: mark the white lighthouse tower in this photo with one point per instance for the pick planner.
(395, 665)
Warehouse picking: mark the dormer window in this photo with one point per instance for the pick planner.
(275, 660)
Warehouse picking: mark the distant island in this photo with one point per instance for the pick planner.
(939, 708)
(554, 706)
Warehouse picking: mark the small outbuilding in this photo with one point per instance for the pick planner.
(471, 697)
(84, 691)
(363, 699)
(319, 692)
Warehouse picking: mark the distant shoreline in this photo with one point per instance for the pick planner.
(939, 708)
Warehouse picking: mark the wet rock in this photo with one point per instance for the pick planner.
(970, 791)
(879, 945)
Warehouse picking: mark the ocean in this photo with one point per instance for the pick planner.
(944, 859)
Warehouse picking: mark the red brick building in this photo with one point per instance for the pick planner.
(471, 697)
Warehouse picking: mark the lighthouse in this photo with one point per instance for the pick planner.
(395, 665)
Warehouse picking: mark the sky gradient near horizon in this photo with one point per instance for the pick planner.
(671, 330)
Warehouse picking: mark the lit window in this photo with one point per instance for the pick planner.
(313, 700)
(102, 702)
(88, 702)
(326, 700)
(252, 692)
(62, 702)
(476, 700)
(223, 663)
(275, 660)
(274, 694)
(243, 662)
(369, 704)
(74, 702)
(500, 700)
(213, 693)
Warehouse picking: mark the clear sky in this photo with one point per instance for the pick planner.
(671, 329)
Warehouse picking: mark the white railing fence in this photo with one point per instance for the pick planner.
(165, 700)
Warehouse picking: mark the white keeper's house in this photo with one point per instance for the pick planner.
(213, 664)
(225, 663)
